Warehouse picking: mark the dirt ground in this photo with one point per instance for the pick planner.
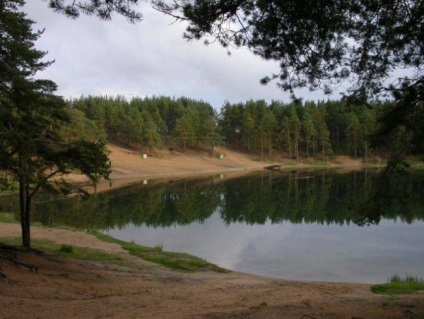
(63, 288)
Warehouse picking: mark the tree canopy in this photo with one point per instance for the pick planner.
(318, 43)
(103, 9)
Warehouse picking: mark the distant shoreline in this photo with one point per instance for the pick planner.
(129, 167)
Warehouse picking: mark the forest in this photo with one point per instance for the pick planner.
(293, 130)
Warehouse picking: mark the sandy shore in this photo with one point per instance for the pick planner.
(69, 289)
(129, 166)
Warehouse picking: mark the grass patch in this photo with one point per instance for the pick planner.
(398, 285)
(73, 252)
(67, 249)
(8, 218)
(156, 255)
(181, 261)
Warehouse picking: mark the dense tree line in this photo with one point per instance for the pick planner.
(151, 123)
(291, 130)
(310, 129)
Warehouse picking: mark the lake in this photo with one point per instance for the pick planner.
(300, 225)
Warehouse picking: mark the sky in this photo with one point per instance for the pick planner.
(149, 58)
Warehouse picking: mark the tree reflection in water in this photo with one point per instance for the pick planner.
(322, 197)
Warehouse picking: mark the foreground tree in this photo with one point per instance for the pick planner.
(101, 8)
(32, 151)
(312, 41)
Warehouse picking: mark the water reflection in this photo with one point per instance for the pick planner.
(296, 225)
(297, 197)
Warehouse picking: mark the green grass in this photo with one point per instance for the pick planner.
(8, 218)
(67, 249)
(73, 252)
(398, 285)
(156, 255)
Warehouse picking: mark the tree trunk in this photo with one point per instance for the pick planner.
(289, 145)
(366, 152)
(262, 150)
(269, 149)
(25, 210)
(354, 148)
(337, 138)
(296, 150)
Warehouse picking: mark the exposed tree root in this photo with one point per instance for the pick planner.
(10, 254)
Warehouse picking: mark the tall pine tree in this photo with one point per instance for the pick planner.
(32, 152)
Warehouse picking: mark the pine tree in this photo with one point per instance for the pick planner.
(309, 131)
(267, 126)
(286, 134)
(248, 129)
(295, 129)
(353, 132)
(32, 152)
(185, 132)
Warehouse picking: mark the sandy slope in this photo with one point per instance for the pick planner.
(128, 163)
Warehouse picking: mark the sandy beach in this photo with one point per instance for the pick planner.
(63, 288)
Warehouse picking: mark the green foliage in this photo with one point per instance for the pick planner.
(36, 147)
(149, 123)
(297, 129)
(104, 9)
(397, 286)
(335, 39)
(80, 127)
(185, 132)
(353, 132)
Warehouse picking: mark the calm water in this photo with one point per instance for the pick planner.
(298, 225)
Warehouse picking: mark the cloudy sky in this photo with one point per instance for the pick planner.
(95, 57)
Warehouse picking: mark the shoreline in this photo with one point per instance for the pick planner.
(129, 167)
(65, 288)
